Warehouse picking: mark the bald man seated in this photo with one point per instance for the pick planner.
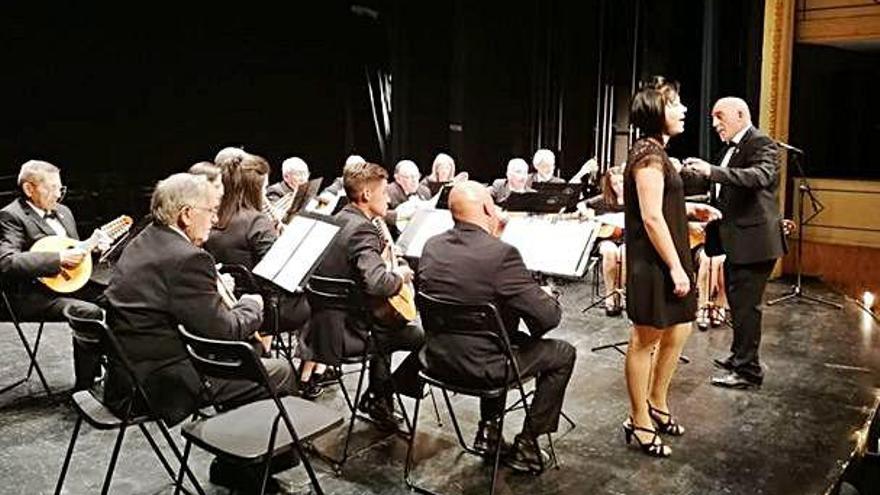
(467, 264)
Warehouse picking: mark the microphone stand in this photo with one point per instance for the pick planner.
(797, 292)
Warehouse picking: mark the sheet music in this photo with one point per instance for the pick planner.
(425, 224)
(557, 247)
(296, 252)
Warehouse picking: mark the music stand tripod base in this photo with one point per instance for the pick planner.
(797, 293)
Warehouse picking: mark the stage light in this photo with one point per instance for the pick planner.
(868, 300)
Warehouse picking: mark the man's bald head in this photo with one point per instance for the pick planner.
(471, 202)
(730, 115)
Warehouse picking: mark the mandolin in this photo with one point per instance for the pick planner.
(73, 279)
(401, 306)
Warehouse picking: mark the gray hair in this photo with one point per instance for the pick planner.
(35, 171)
(354, 159)
(544, 156)
(294, 164)
(229, 154)
(176, 192)
(406, 166)
(517, 163)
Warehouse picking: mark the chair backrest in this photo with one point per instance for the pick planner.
(333, 293)
(473, 321)
(225, 359)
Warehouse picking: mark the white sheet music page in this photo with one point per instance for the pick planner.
(557, 247)
(295, 252)
(425, 224)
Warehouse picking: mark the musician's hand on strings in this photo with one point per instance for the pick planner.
(681, 281)
(703, 212)
(71, 258)
(253, 297)
(102, 240)
(405, 273)
(698, 166)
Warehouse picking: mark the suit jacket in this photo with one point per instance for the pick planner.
(356, 254)
(245, 240)
(277, 190)
(465, 264)
(751, 228)
(20, 227)
(163, 280)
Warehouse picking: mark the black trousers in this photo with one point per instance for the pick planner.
(745, 284)
(551, 361)
(405, 378)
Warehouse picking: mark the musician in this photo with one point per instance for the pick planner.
(711, 296)
(244, 234)
(356, 254)
(744, 185)
(35, 214)
(612, 248)
(443, 171)
(516, 181)
(336, 188)
(544, 162)
(467, 264)
(164, 278)
(294, 173)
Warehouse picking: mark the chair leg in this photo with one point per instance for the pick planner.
(270, 451)
(113, 457)
(36, 349)
(181, 460)
(407, 468)
(357, 397)
(184, 467)
(32, 355)
(344, 389)
(67, 457)
(436, 409)
(456, 426)
(159, 455)
(497, 457)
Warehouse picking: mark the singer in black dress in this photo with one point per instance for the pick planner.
(659, 271)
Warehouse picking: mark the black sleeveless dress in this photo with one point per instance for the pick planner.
(649, 289)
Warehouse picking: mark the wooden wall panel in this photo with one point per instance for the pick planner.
(851, 216)
(824, 21)
(851, 269)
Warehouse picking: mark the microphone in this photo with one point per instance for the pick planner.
(791, 148)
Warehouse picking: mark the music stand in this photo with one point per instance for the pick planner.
(434, 186)
(304, 195)
(797, 292)
(548, 201)
(298, 251)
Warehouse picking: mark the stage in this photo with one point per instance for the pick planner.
(793, 436)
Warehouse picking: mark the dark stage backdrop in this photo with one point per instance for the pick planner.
(119, 98)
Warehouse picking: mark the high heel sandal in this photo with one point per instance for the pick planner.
(718, 317)
(703, 319)
(654, 447)
(669, 426)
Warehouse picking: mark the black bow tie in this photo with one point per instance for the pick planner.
(50, 214)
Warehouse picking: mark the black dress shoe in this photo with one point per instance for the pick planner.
(725, 364)
(487, 438)
(522, 456)
(381, 411)
(330, 376)
(311, 389)
(735, 380)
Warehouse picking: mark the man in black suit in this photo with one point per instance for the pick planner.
(744, 186)
(356, 254)
(406, 186)
(37, 213)
(294, 174)
(468, 264)
(164, 278)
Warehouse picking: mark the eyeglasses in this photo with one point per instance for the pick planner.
(61, 190)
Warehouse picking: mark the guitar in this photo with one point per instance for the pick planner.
(73, 279)
(403, 304)
(279, 210)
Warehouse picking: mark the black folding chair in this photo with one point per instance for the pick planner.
(326, 293)
(246, 282)
(473, 321)
(31, 352)
(250, 434)
(92, 409)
